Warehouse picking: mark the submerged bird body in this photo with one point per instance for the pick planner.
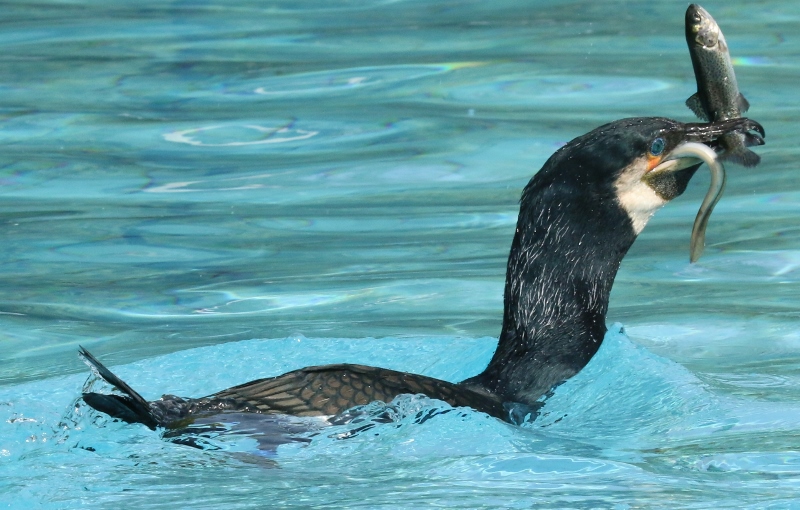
(717, 97)
(578, 217)
(313, 391)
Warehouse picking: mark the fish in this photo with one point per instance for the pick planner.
(697, 242)
(717, 97)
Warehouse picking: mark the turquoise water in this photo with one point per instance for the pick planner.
(207, 193)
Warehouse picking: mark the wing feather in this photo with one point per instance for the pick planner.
(331, 389)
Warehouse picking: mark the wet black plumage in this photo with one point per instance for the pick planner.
(571, 236)
(572, 233)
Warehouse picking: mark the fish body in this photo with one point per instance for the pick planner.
(718, 97)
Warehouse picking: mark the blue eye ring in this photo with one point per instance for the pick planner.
(657, 147)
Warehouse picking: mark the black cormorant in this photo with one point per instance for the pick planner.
(578, 217)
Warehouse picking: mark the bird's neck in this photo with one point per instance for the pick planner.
(563, 260)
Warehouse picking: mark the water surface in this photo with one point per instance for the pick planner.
(188, 189)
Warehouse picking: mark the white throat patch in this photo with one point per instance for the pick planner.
(638, 199)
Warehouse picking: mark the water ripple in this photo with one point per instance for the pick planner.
(553, 90)
(285, 135)
(343, 80)
(260, 135)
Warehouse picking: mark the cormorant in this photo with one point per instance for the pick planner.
(578, 217)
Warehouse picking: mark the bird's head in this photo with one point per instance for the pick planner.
(639, 163)
(579, 215)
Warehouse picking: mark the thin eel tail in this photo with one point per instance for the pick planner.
(709, 157)
(131, 407)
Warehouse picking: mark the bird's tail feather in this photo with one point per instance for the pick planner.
(130, 407)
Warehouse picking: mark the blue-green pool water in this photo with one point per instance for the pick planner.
(207, 193)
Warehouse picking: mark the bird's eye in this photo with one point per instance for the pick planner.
(657, 147)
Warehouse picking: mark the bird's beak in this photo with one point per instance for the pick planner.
(710, 132)
(699, 141)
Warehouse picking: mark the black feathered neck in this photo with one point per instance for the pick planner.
(571, 236)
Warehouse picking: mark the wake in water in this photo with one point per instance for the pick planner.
(626, 400)
(629, 419)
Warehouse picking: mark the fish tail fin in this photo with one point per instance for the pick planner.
(130, 407)
(742, 156)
